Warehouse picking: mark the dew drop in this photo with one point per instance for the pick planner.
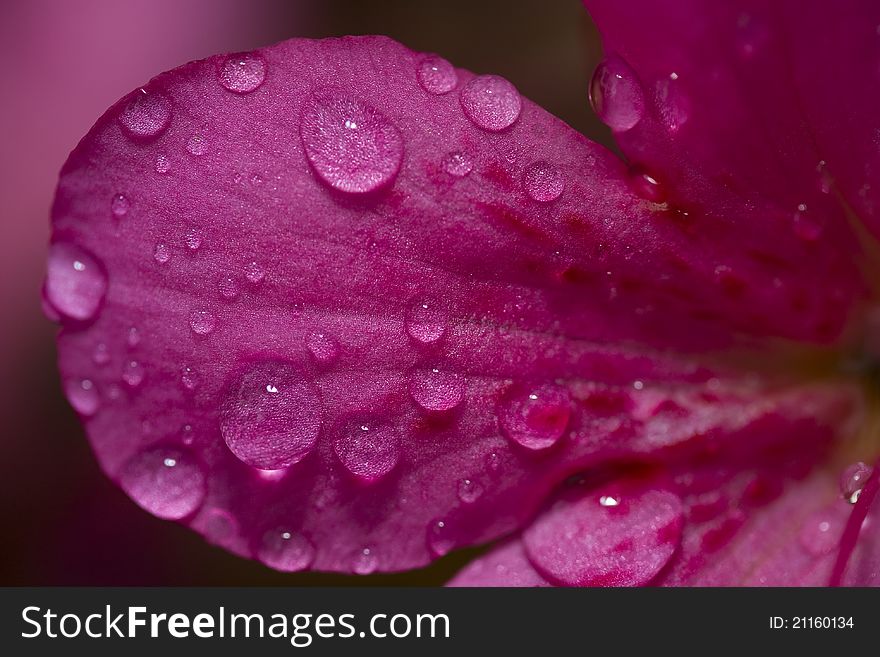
(101, 354)
(616, 94)
(853, 480)
(436, 75)
(440, 539)
(193, 239)
(163, 164)
(469, 491)
(426, 322)
(535, 417)
(254, 273)
(286, 551)
(365, 562)
(820, 533)
(133, 337)
(133, 373)
(146, 116)
(351, 146)
(491, 102)
(543, 182)
(119, 205)
(196, 145)
(220, 527)
(672, 105)
(167, 482)
(436, 390)
(83, 396)
(457, 164)
(242, 72)
(271, 430)
(228, 288)
(202, 322)
(492, 462)
(75, 282)
(161, 253)
(367, 447)
(646, 186)
(323, 348)
(189, 379)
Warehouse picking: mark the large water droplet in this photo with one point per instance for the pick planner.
(323, 347)
(580, 542)
(101, 354)
(673, 106)
(197, 145)
(426, 321)
(286, 551)
(75, 282)
(220, 527)
(351, 145)
(202, 322)
(436, 75)
(436, 390)
(146, 116)
(119, 205)
(458, 164)
(543, 182)
(646, 186)
(469, 491)
(367, 447)
(365, 562)
(242, 72)
(616, 94)
(853, 480)
(271, 415)
(491, 102)
(167, 482)
(83, 396)
(440, 538)
(535, 417)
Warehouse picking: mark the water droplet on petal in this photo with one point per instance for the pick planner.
(351, 145)
(193, 239)
(75, 282)
(220, 527)
(616, 94)
(146, 116)
(101, 354)
(535, 417)
(83, 396)
(196, 145)
(119, 206)
(286, 551)
(161, 253)
(163, 164)
(133, 373)
(254, 273)
(167, 482)
(365, 562)
(189, 378)
(436, 75)
(228, 287)
(469, 491)
(323, 347)
(458, 164)
(491, 102)
(133, 337)
(242, 72)
(543, 182)
(426, 322)
(820, 533)
(440, 538)
(271, 430)
(202, 322)
(436, 390)
(672, 105)
(578, 542)
(646, 186)
(853, 480)
(368, 448)
(493, 462)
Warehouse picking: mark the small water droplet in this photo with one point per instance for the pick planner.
(242, 72)
(161, 253)
(458, 164)
(491, 102)
(75, 282)
(820, 533)
(189, 378)
(323, 347)
(853, 480)
(219, 527)
(202, 322)
(535, 417)
(163, 164)
(440, 538)
(101, 354)
(119, 206)
(254, 273)
(167, 482)
(351, 145)
(146, 116)
(365, 562)
(543, 182)
(197, 145)
(673, 106)
(426, 321)
(367, 447)
(83, 396)
(436, 75)
(133, 337)
(616, 94)
(271, 430)
(493, 462)
(133, 373)
(286, 551)
(646, 186)
(469, 491)
(193, 239)
(436, 390)
(228, 287)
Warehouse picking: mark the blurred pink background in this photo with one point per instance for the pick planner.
(65, 62)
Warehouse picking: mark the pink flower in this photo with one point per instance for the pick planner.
(340, 306)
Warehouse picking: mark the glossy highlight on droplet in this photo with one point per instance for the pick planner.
(367, 447)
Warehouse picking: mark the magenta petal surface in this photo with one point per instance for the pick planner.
(350, 306)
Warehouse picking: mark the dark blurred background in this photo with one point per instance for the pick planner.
(64, 63)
